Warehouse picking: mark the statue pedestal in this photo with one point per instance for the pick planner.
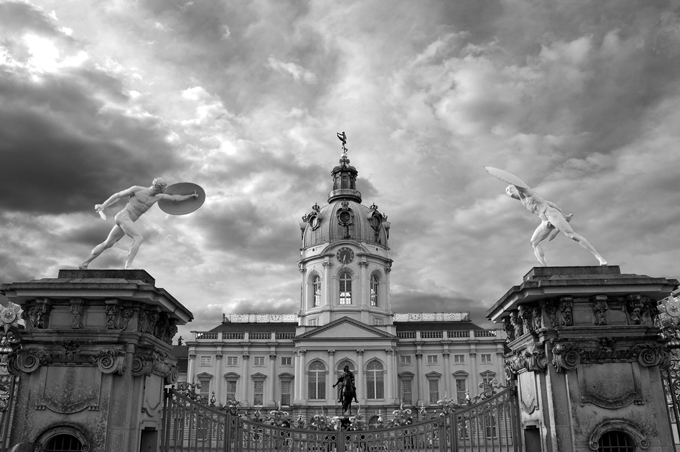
(587, 356)
(94, 358)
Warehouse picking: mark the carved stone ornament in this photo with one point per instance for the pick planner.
(28, 360)
(111, 361)
(524, 313)
(637, 306)
(77, 311)
(517, 324)
(600, 309)
(560, 311)
(313, 218)
(509, 329)
(154, 363)
(567, 310)
(537, 319)
(531, 359)
(568, 355)
(112, 312)
(39, 315)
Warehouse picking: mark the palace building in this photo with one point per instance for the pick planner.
(345, 318)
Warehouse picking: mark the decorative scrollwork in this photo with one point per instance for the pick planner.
(28, 360)
(110, 361)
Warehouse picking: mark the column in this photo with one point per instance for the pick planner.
(474, 372)
(190, 367)
(418, 379)
(389, 378)
(328, 298)
(447, 373)
(360, 380)
(218, 376)
(300, 377)
(272, 380)
(305, 289)
(331, 392)
(245, 373)
(365, 286)
(395, 375)
(388, 296)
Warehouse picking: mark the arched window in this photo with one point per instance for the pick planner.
(375, 381)
(63, 443)
(374, 290)
(346, 288)
(615, 441)
(317, 380)
(316, 292)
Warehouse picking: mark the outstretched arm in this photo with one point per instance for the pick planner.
(179, 197)
(115, 197)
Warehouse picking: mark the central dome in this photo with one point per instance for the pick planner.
(344, 219)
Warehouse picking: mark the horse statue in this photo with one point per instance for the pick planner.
(347, 391)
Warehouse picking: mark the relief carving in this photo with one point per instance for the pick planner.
(600, 309)
(110, 361)
(536, 315)
(567, 310)
(525, 314)
(637, 306)
(517, 324)
(77, 311)
(509, 329)
(112, 311)
(39, 315)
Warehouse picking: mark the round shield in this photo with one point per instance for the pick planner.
(673, 306)
(506, 176)
(186, 206)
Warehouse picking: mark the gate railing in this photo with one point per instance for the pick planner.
(490, 425)
(7, 404)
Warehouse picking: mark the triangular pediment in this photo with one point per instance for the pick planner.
(346, 329)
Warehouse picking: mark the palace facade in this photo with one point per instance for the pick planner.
(345, 318)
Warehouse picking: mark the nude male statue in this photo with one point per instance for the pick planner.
(140, 200)
(553, 221)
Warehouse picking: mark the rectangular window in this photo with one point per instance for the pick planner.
(206, 361)
(287, 361)
(205, 389)
(232, 360)
(461, 391)
(313, 322)
(432, 360)
(377, 321)
(407, 392)
(434, 391)
(486, 358)
(258, 393)
(345, 289)
(459, 359)
(231, 389)
(285, 392)
(258, 361)
(405, 360)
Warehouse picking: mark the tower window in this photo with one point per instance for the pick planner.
(374, 290)
(66, 443)
(316, 287)
(615, 441)
(346, 288)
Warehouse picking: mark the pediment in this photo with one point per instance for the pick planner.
(346, 329)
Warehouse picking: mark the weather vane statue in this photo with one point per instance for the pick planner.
(141, 199)
(553, 219)
(342, 137)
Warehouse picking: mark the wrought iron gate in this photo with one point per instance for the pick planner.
(490, 425)
(8, 385)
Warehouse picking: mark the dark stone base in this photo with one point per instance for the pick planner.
(129, 275)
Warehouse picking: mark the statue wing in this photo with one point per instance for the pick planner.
(506, 177)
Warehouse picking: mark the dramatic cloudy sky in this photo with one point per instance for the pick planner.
(581, 99)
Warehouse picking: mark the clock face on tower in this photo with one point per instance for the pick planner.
(345, 255)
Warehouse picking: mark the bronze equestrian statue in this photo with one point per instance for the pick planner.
(347, 391)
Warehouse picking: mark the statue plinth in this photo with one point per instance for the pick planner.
(96, 351)
(586, 354)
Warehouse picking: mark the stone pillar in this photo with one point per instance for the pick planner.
(95, 356)
(328, 295)
(389, 376)
(418, 380)
(388, 295)
(361, 378)
(247, 382)
(586, 355)
(272, 380)
(447, 373)
(331, 392)
(300, 378)
(219, 372)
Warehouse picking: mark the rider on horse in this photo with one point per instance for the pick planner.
(347, 387)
